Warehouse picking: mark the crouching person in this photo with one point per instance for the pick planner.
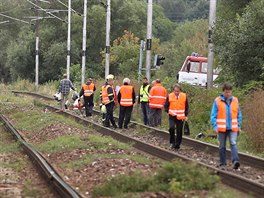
(126, 99)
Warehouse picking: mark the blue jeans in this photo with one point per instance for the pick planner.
(233, 145)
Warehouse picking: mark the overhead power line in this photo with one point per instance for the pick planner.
(48, 13)
(2, 22)
(68, 7)
(16, 19)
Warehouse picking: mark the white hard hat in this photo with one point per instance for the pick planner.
(126, 80)
(110, 76)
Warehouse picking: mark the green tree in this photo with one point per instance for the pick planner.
(240, 44)
(188, 37)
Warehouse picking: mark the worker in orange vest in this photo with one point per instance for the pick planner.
(126, 99)
(226, 119)
(157, 98)
(87, 92)
(177, 107)
(107, 97)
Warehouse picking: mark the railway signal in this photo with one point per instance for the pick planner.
(158, 60)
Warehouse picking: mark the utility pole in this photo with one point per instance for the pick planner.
(69, 40)
(212, 14)
(37, 49)
(140, 59)
(84, 41)
(107, 42)
(149, 40)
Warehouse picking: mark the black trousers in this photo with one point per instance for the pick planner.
(124, 113)
(109, 114)
(88, 104)
(173, 121)
(145, 112)
(155, 116)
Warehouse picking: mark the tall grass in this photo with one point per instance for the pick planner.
(254, 120)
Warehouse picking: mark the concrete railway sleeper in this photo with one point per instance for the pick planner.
(61, 187)
(247, 179)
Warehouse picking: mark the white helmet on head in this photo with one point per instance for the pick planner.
(110, 76)
(126, 80)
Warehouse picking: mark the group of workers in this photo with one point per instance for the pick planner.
(226, 117)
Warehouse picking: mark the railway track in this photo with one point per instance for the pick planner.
(53, 178)
(246, 159)
(240, 179)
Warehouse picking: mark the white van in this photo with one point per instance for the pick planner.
(194, 71)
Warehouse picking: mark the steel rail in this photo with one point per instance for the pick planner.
(246, 159)
(233, 180)
(61, 187)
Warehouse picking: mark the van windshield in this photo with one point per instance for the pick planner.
(204, 67)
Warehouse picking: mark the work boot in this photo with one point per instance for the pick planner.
(236, 165)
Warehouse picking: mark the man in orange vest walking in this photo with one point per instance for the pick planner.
(108, 96)
(157, 98)
(177, 107)
(87, 92)
(126, 98)
(226, 119)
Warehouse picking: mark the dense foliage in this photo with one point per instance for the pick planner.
(239, 41)
(128, 17)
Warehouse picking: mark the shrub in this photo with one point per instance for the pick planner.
(172, 177)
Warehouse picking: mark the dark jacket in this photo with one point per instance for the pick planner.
(82, 90)
(133, 95)
(167, 105)
(110, 92)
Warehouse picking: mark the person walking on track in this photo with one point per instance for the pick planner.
(87, 92)
(64, 88)
(126, 99)
(177, 107)
(157, 98)
(143, 99)
(108, 96)
(226, 119)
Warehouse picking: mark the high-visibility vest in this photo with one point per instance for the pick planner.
(88, 89)
(221, 116)
(177, 105)
(105, 95)
(126, 92)
(144, 95)
(157, 96)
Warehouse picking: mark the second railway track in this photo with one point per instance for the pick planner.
(49, 173)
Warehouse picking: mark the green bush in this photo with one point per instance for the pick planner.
(172, 177)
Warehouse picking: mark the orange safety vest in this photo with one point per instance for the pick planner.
(157, 96)
(177, 106)
(126, 92)
(221, 116)
(105, 96)
(88, 89)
